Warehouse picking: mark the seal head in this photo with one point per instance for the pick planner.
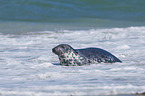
(69, 56)
(62, 48)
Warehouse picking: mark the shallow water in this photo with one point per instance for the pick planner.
(28, 67)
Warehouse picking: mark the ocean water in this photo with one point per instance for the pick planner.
(30, 29)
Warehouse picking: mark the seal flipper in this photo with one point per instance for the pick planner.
(115, 59)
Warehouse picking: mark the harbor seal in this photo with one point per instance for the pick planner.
(77, 57)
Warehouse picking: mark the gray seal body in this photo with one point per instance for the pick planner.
(77, 57)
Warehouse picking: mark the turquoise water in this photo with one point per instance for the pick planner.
(20, 16)
(64, 10)
(29, 29)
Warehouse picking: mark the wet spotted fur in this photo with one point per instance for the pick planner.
(72, 59)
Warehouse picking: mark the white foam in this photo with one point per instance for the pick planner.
(67, 90)
(28, 66)
(123, 47)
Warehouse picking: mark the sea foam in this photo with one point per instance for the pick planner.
(28, 66)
